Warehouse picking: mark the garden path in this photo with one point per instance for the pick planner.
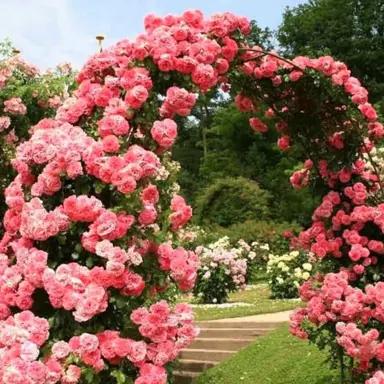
(220, 339)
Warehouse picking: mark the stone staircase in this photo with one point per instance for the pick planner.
(218, 340)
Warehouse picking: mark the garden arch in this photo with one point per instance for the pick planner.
(93, 206)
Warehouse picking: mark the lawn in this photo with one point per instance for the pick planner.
(258, 297)
(277, 358)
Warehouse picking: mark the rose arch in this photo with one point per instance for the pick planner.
(90, 252)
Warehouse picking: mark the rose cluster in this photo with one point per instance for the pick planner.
(24, 335)
(223, 269)
(286, 272)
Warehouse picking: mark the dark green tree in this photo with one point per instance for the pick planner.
(234, 150)
(350, 30)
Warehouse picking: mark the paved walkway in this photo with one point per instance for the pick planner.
(278, 317)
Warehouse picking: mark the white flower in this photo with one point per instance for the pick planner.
(298, 273)
(281, 265)
(279, 280)
(214, 301)
(306, 275)
(307, 266)
(265, 247)
(207, 275)
(294, 253)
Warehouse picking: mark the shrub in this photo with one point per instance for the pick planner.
(222, 270)
(256, 255)
(277, 235)
(26, 96)
(287, 272)
(230, 201)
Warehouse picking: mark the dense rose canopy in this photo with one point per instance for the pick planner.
(91, 208)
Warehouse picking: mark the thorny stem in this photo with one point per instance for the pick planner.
(266, 53)
(351, 364)
(341, 362)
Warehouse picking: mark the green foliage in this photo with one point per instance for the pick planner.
(269, 232)
(6, 48)
(231, 200)
(351, 31)
(234, 150)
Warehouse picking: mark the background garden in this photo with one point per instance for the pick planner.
(100, 251)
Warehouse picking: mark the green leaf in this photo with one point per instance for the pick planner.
(78, 248)
(98, 187)
(88, 375)
(120, 377)
(121, 302)
(89, 262)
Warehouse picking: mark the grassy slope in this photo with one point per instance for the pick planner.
(258, 297)
(277, 358)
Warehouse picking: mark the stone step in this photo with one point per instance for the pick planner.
(228, 333)
(205, 354)
(185, 377)
(185, 365)
(229, 344)
(235, 324)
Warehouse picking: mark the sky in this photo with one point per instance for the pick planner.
(48, 32)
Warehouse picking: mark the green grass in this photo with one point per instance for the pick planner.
(277, 358)
(259, 297)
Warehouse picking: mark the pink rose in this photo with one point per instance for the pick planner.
(257, 125)
(148, 215)
(111, 144)
(136, 96)
(150, 195)
(72, 375)
(164, 132)
(61, 350)
(29, 351)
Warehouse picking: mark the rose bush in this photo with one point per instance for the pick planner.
(26, 96)
(86, 239)
(223, 269)
(287, 272)
(256, 255)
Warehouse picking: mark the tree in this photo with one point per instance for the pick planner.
(234, 150)
(351, 31)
